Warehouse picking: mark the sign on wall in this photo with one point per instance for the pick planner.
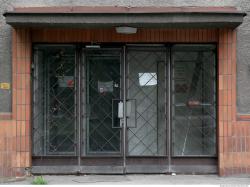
(5, 86)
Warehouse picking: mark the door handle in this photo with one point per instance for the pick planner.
(131, 113)
(117, 113)
(120, 110)
(128, 109)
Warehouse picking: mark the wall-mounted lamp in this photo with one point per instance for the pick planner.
(126, 30)
(93, 46)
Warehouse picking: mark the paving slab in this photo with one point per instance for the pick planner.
(139, 179)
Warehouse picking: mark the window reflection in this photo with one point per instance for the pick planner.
(147, 79)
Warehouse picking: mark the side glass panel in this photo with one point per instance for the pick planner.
(146, 84)
(193, 100)
(54, 100)
(103, 91)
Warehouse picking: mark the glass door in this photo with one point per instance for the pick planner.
(101, 124)
(103, 93)
(193, 123)
(154, 112)
(127, 109)
(146, 91)
(146, 97)
(54, 99)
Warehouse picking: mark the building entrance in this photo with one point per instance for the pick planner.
(124, 109)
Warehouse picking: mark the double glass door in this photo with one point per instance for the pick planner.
(129, 109)
(130, 95)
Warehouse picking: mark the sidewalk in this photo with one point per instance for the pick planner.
(140, 179)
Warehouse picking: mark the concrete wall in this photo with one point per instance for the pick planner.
(243, 65)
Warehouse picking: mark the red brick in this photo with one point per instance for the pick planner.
(225, 60)
(225, 146)
(221, 82)
(27, 112)
(229, 113)
(22, 143)
(27, 82)
(230, 144)
(23, 159)
(225, 113)
(229, 129)
(225, 97)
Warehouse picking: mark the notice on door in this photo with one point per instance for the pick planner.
(66, 81)
(104, 87)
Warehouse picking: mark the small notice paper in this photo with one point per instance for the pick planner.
(5, 86)
(105, 86)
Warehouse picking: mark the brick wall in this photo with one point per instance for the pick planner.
(15, 149)
(234, 131)
(15, 128)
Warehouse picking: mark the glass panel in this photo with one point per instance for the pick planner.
(146, 87)
(193, 99)
(38, 130)
(103, 71)
(54, 101)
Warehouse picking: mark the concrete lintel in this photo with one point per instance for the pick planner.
(152, 20)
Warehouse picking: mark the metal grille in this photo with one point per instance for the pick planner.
(103, 85)
(193, 124)
(194, 114)
(146, 85)
(54, 101)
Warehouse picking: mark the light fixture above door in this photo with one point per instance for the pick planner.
(126, 30)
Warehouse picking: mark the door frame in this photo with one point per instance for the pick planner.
(85, 95)
(80, 109)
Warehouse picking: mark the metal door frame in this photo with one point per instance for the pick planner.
(123, 74)
(81, 155)
(170, 159)
(84, 97)
(35, 71)
(148, 159)
(201, 163)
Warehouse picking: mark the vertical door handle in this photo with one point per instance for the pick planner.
(117, 113)
(131, 113)
(128, 108)
(120, 110)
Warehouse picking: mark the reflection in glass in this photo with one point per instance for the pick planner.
(146, 87)
(193, 98)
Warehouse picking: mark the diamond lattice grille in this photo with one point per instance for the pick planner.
(54, 101)
(103, 86)
(145, 80)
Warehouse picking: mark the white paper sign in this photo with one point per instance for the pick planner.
(105, 86)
